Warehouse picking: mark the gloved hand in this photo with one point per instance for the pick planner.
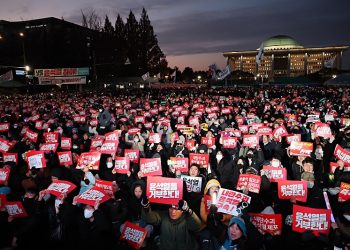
(183, 205)
(145, 202)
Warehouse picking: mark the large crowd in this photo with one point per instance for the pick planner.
(188, 122)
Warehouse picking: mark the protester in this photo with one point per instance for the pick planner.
(287, 152)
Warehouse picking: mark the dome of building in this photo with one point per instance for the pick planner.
(281, 42)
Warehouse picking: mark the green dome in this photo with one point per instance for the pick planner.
(281, 42)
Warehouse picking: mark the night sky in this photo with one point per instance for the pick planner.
(195, 33)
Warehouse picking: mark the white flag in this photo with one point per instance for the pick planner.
(329, 63)
(8, 76)
(225, 72)
(260, 54)
(127, 62)
(145, 76)
(212, 69)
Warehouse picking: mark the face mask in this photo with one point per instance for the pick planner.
(57, 204)
(100, 110)
(250, 156)
(109, 164)
(219, 157)
(178, 148)
(240, 165)
(347, 217)
(310, 184)
(136, 140)
(275, 164)
(88, 213)
(75, 146)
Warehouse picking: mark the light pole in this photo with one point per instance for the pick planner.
(21, 34)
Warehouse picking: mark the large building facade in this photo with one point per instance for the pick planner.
(283, 56)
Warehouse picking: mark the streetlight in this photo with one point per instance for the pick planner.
(27, 68)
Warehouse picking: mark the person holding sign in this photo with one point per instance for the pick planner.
(134, 213)
(137, 142)
(177, 225)
(93, 226)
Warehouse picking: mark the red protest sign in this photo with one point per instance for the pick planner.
(179, 164)
(109, 147)
(225, 111)
(5, 145)
(323, 130)
(244, 129)
(51, 137)
(210, 142)
(35, 159)
(107, 186)
(342, 155)
(280, 131)
(16, 209)
(250, 140)
(201, 159)
(293, 137)
(39, 125)
(333, 166)
(96, 142)
(229, 142)
(154, 138)
(264, 131)
(292, 189)
(228, 201)
(4, 175)
(122, 165)
(275, 174)
(148, 125)
(344, 193)
(301, 148)
(207, 202)
(133, 234)
(65, 158)
(249, 181)
(267, 223)
(10, 157)
(164, 190)
(91, 196)
(4, 127)
(189, 144)
(59, 187)
(3, 201)
(150, 167)
(112, 136)
(311, 219)
(89, 159)
(134, 131)
(140, 119)
(193, 121)
(66, 143)
(48, 147)
(31, 135)
(133, 154)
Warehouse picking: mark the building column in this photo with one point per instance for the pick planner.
(272, 66)
(288, 70)
(241, 64)
(305, 64)
(339, 60)
(323, 60)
